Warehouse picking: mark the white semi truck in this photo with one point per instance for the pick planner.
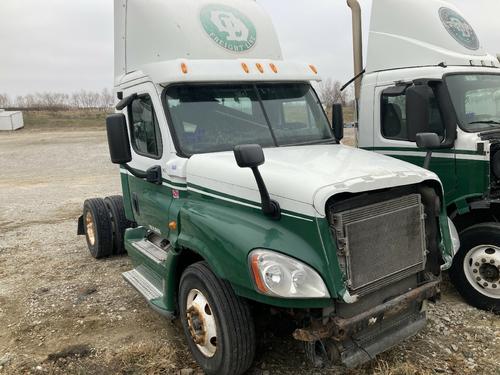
(238, 197)
(428, 83)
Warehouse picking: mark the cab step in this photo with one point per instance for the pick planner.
(155, 253)
(142, 285)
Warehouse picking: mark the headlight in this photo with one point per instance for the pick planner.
(281, 276)
(455, 240)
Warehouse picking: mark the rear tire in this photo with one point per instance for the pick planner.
(218, 324)
(98, 228)
(476, 267)
(119, 223)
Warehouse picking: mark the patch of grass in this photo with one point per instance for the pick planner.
(59, 120)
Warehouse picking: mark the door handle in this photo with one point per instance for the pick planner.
(135, 203)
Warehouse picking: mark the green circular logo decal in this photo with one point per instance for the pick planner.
(459, 28)
(228, 27)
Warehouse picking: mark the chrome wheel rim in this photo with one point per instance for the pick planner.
(201, 323)
(89, 228)
(482, 269)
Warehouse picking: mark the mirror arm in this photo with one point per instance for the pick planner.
(126, 102)
(270, 207)
(428, 158)
(135, 172)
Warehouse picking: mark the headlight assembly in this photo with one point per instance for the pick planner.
(281, 276)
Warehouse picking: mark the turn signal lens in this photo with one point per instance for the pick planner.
(259, 283)
(260, 67)
(273, 67)
(313, 68)
(184, 68)
(245, 67)
(172, 225)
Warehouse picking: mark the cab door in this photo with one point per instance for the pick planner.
(391, 135)
(148, 131)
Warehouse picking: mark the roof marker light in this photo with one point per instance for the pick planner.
(184, 68)
(313, 68)
(245, 67)
(260, 67)
(273, 67)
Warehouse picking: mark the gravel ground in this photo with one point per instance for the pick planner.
(62, 312)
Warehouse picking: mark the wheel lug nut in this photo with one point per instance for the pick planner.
(475, 271)
(485, 284)
(477, 264)
(483, 260)
(478, 278)
(492, 261)
(494, 286)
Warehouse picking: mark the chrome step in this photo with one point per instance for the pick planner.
(150, 250)
(143, 285)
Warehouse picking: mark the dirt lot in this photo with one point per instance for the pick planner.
(62, 312)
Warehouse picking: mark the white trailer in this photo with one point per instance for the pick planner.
(11, 120)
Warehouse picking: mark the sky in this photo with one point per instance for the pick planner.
(65, 46)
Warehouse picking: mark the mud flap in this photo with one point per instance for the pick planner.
(81, 229)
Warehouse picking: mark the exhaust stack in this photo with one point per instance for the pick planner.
(357, 41)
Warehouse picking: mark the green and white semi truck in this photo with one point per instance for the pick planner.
(428, 83)
(238, 197)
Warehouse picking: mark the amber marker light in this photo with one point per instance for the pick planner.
(273, 67)
(260, 67)
(313, 68)
(172, 225)
(245, 67)
(259, 283)
(184, 68)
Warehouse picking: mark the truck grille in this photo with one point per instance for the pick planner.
(381, 243)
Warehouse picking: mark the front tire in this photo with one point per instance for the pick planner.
(218, 324)
(476, 267)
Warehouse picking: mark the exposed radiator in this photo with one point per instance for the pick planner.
(381, 243)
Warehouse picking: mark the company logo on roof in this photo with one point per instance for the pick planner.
(228, 27)
(459, 28)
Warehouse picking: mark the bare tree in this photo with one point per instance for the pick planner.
(329, 92)
(54, 101)
(5, 101)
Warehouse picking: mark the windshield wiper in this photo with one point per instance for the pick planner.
(489, 122)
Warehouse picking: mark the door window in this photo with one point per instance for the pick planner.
(393, 120)
(145, 131)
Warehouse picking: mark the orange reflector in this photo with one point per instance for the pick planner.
(172, 225)
(273, 67)
(313, 68)
(184, 68)
(245, 67)
(260, 67)
(259, 283)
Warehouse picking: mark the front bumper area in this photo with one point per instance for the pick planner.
(361, 337)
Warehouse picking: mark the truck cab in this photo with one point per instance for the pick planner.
(238, 196)
(427, 73)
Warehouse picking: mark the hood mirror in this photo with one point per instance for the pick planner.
(252, 156)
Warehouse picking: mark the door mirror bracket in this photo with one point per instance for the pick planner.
(428, 142)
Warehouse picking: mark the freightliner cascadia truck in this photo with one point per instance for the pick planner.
(426, 72)
(238, 197)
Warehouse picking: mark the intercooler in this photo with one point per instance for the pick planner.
(380, 243)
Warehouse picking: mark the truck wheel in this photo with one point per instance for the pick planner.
(98, 228)
(476, 267)
(218, 324)
(119, 223)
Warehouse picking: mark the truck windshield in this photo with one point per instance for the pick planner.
(212, 118)
(476, 98)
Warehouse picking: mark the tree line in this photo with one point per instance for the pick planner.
(54, 101)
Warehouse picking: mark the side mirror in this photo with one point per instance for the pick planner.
(249, 156)
(119, 143)
(252, 156)
(417, 110)
(153, 175)
(428, 141)
(338, 121)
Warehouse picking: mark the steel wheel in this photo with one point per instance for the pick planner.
(89, 228)
(201, 322)
(482, 269)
